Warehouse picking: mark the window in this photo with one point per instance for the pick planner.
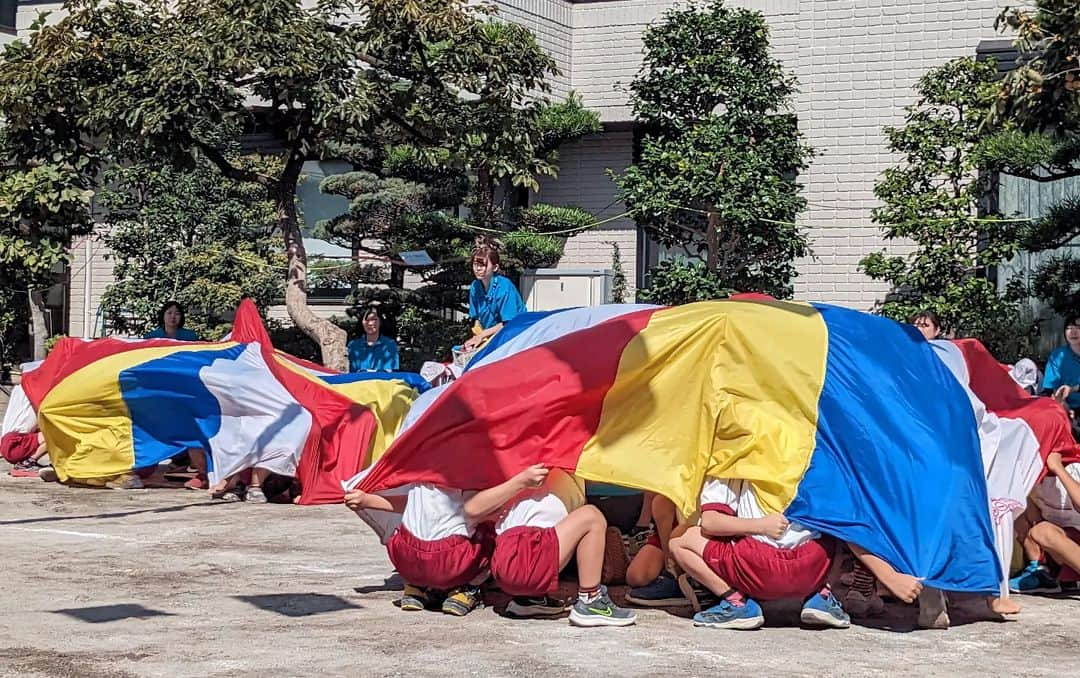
(8, 10)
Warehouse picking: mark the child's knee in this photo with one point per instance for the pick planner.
(679, 546)
(662, 506)
(1045, 533)
(591, 516)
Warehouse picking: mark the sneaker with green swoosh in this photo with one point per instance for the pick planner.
(600, 612)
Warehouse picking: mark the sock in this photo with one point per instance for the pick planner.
(735, 598)
(588, 595)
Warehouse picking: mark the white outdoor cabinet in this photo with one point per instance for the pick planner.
(547, 289)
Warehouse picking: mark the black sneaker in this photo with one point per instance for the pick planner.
(544, 606)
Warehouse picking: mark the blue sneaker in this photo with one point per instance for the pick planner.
(1034, 579)
(664, 591)
(823, 609)
(744, 616)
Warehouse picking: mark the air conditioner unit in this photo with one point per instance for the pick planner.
(547, 289)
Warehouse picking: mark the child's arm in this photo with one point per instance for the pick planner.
(1053, 462)
(486, 502)
(475, 340)
(359, 501)
(718, 524)
(903, 586)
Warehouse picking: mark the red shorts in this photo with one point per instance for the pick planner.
(441, 564)
(15, 447)
(526, 561)
(765, 572)
(654, 536)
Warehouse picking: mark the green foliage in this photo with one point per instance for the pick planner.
(719, 138)
(525, 249)
(1057, 283)
(565, 120)
(422, 336)
(932, 198)
(13, 322)
(52, 341)
(618, 279)
(542, 218)
(405, 198)
(1043, 93)
(155, 78)
(45, 190)
(1037, 133)
(675, 282)
(190, 235)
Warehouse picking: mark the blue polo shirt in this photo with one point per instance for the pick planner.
(380, 356)
(182, 334)
(1063, 369)
(500, 303)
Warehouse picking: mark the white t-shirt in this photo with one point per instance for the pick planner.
(546, 506)
(736, 497)
(432, 513)
(1052, 499)
(19, 416)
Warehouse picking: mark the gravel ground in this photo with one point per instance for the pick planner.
(112, 583)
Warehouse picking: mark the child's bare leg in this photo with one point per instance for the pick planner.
(41, 449)
(259, 476)
(663, 512)
(583, 533)
(198, 460)
(1031, 517)
(903, 586)
(225, 485)
(650, 561)
(689, 552)
(646, 515)
(645, 567)
(1054, 541)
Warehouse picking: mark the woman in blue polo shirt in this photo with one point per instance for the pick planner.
(1062, 376)
(493, 299)
(373, 352)
(171, 324)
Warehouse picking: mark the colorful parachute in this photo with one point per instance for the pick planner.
(845, 421)
(108, 406)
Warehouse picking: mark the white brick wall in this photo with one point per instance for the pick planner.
(583, 182)
(549, 20)
(93, 274)
(856, 61)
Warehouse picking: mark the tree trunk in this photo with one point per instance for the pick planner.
(331, 338)
(712, 242)
(37, 323)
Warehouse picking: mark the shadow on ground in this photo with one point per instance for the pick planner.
(110, 613)
(299, 604)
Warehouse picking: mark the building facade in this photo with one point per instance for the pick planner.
(856, 60)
